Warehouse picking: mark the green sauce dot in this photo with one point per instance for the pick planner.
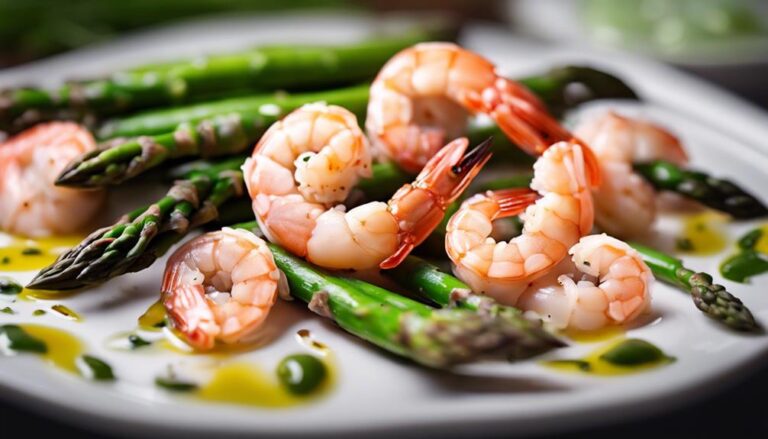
(9, 287)
(301, 373)
(634, 352)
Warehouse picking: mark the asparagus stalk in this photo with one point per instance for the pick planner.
(141, 236)
(710, 298)
(231, 126)
(427, 280)
(552, 87)
(566, 87)
(436, 338)
(221, 134)
(268, 68)
(719, 194)
(203, 193)
(270, 107)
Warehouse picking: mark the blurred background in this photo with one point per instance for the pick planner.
(723, 41)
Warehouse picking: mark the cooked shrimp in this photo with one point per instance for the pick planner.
(220, 286)
(306, 164)
(554, 223)
(30, 162)
(604, 283)
(625, 204)
(423, 95)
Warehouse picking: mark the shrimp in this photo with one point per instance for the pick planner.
(30, 162)
(305, 166)
(220, 286)
(625, 204)
(424, 94)
(604, 283)
(554, 223)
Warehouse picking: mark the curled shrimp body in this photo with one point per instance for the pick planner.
(305, 166)
(424, 94)
(554, 223)
(625, 204)
(30, 162)
(220, 286)
(604, 283)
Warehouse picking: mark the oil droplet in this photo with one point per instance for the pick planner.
(174, 341)
(306, 338)
(245, 384)
(762, 244)
(703, 234)
(67, 313)
(22, 254)
(30, 295)
(593, 364)
(153, 318)
(599, 335)
(63, 347)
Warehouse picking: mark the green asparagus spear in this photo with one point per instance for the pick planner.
(436, 338)
(140, 237)
(719, 194)
(712, 299)
(231, 126)
(269, 68)
(270, 107)
(204, 192)
(552, 87)
(223, 134)
(566, 87)
(431, 283)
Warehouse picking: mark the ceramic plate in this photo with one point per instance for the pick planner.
(374, 391)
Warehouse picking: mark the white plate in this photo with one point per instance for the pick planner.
(377, 392)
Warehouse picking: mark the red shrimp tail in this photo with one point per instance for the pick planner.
(513, 201)
(522, 117)
(405, 248)
(191, 315)
(468, 167)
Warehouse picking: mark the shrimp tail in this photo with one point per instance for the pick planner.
(521, 116)
(444, 178)
(190, 313)
(513, 201)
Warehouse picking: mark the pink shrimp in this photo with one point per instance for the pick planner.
(423, 95)
(220, 286)
(30, 162)
(625, 204)
(305, 166)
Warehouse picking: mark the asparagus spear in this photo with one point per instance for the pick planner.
(221, 134)
(712, 299)
(268, 68)
(719, 194)
(566, 87)
(270, 107)
(198, 197)
(140, 237)
(436, 338)
(552, 87)
(231, 126)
